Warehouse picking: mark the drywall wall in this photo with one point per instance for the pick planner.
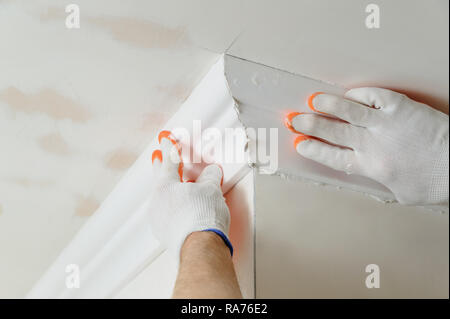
(315, 242)
(157, 279)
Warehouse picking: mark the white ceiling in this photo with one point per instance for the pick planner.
(132, 64)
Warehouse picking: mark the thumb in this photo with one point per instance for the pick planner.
(211, 174)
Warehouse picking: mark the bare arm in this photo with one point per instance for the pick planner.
(192, 221)
(206, 269)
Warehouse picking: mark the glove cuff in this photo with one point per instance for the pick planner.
(202, 214)
(438, 191)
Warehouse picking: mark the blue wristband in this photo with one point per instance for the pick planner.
(224, 238)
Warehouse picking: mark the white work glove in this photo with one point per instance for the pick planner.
(386, 136)
(179, 208)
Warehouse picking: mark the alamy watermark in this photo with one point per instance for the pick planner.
(73, 276)
(257, 147)
(373, 17)
(373, 279)
(73, 18)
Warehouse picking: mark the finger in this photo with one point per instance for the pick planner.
(350, 111)
(172, 166)
(341, 159)
(378, 98)
(168, 135)
(331, 130)
(157, 158)
(211, 174)
(288, 120)
(156, 163)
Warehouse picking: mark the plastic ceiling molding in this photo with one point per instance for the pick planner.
(116, 243)
(265, 96)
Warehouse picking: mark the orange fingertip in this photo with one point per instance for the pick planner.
(288, 121)
(169, 136)
(164, 134)
(157, 154)
(221, 180)
(310, 102)
(300, 138)
(180, 171)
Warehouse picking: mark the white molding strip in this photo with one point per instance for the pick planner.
(265, 96)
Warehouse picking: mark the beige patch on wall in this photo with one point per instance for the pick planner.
(46, 101)
(120, 159)
(141, 33)
(1, 209)
(53, 143)
(53, 13)
(151, 121)
(86, 207)
(26, 182)
(136, 32)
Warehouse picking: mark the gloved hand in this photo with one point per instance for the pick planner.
(380, 134)
(179, 208)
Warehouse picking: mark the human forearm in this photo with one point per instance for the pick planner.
(206, 269)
